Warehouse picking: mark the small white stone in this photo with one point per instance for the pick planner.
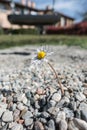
(80, 124)
(20, 106)
(56, 97)
(1, 111)
(60, 116)
(7, 116)
(24, 100)
(17, 127)
(3, 105)
(80, 96)
(62, 125)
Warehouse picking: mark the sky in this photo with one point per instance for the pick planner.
(71, 8)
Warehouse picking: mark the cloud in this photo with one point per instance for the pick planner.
(43, 5)
(65, 5)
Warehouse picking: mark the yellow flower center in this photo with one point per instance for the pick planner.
(41, 55)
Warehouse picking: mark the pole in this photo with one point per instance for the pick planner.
(53, 4)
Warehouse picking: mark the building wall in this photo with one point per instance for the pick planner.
(63, 22)
(5, 10)
(69, 22)
(4, 23)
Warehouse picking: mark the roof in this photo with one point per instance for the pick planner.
(64, 15)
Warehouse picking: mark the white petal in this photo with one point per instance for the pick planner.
(38, 50)
(45, 60)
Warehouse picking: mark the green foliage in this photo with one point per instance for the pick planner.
(1, 31)
(20, 40)
(24, 31)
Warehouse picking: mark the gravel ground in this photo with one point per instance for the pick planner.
(32, 100)
(16, 58)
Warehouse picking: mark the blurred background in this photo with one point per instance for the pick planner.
(43, 17)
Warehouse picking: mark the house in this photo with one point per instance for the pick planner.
(64, 23)
(27, 7)
(64, 20)
(7, 7)
(24, 7)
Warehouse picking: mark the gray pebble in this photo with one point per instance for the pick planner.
(43, 120)
(2, 110)
(27, 115)
(78, 114)
(38, 126)
(82, 105)
(4, 127)
(80, 96)
(53, 110)
(84, 114)
(62, 125)
(60, 116)
(16, 114)
(20, 97)
(17, 127)
(52, 103)
(28, 94)
(45, 115)
(24, 100)
(20, 106)
(71, 126)
(37, 106)
(80, 124)
(3, 105)
(28, 121)
(56, 97)
(69, 113)
(51, 125)
(7, 116)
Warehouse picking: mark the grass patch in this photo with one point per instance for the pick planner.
(20, 40)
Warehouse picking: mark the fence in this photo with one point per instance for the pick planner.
(77, 29)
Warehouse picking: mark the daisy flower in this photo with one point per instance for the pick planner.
(40, 58)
